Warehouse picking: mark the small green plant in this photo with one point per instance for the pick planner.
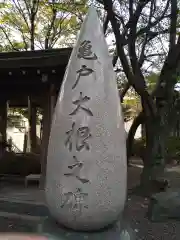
(173, 148)
(138, 147)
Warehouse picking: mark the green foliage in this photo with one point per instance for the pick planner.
(131, 105)
(29, 25)
(173, 149)
(15, 116)
(152, 81)
(138, 147)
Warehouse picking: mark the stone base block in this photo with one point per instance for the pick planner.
(54, 231)
(164, 206)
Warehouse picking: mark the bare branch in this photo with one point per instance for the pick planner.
(7, 37)
(56, 34)
(119, 42)
(132, 40)
(152, 24)
(27, 7)
(135, 16)
(124, 91)
(142, 56)
(140, 86)
(54, 14)
(20, 10)
(35, 7)
(168, 72)
(33, 12)
(115, 58)
(131, 8)
(154, 55)
(105, 25)
(21, 32)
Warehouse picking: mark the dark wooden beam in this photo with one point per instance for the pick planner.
(31, 76)
(30, 59)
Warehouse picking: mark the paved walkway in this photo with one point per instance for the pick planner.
(21, 209)
(16, 216)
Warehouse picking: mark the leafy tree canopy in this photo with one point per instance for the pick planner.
(40, 24)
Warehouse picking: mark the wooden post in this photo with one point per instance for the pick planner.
(32, 125)
(46, 122)
(3, 124)
(25, 142)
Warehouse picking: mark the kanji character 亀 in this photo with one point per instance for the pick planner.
(84, 71)
(85, 51)
(79, 102)
(76, 168)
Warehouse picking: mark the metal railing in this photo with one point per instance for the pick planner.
(13, 147)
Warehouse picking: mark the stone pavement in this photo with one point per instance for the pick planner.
(21, 194)
(135, 212)
(24, 210)
(21, 208)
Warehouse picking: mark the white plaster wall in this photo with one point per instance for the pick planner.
(18, 136)
(127, 126)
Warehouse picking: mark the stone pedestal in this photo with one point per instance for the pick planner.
(53, 230)
(38, 221)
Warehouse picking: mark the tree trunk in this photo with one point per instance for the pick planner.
(157, 132)
(137, 121)
(157, 129)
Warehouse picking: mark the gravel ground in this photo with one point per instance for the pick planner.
(12, 225)
(136, 215)
(146, 230)
(24, 208)
(137, 209)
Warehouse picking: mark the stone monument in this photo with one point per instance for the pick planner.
(86, 166)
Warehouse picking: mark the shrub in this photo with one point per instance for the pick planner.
(173, 148)
(20, 164)
(138, 147)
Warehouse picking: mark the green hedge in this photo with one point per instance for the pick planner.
(138, 147)
(19, 164)
(173, 148)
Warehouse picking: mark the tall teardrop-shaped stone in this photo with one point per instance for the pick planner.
(86, 166)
